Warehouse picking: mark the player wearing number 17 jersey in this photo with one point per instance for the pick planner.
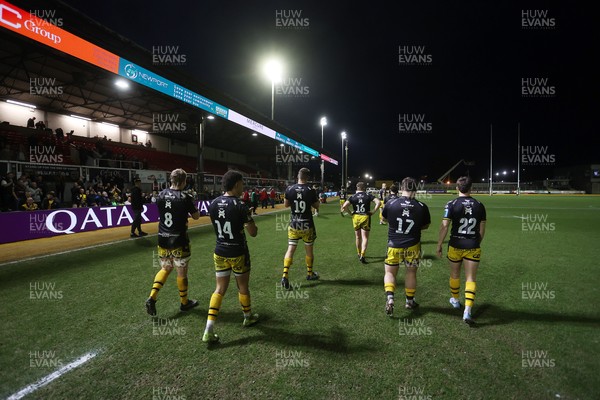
(174, 206)
(300, 197)
(468, 218)
(406, 217)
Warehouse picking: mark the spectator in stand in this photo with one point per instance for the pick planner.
(246, 198)
(40, 125)
(104, 200)
(29, 205)
(31, 122)
(80, 198)
(35, 192)
(50, 203)
(60, 186)
(154, 196)
(60, 135)
(148, 143)
(20, 189)
(9, 198)
(74, 192)
(264, 198)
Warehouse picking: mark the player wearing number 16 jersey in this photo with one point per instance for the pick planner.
(174, 206)
(361, 217)
(230, 216)
(300, 198)
(406, 217)
(468, 218)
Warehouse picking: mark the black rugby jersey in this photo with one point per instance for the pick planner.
(174, 207)
(406, 217)
(228, 215)
(466, 215)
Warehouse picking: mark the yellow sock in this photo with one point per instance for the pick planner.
(287, 263)
(454, 287)
(410, 293)
(182, 284)
(159, 281)
(389, 288)
(245, 302)
(215, 305)
(309, 264)
(470, 288)
(358, 251)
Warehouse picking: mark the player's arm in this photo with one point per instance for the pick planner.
(345, 206)
(481, 231)
(315, 205)
(442, 235)
(195, 215)
(427, 220)
(377, 205)
(251, 228)
(286, 203)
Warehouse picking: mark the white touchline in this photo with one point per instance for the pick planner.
(49, 378)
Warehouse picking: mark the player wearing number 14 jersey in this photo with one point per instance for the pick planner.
(300, 197)
(174, 206)
(230, 217)
(468, 217)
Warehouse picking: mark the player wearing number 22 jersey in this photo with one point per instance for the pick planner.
(468, 218)
(300, 198)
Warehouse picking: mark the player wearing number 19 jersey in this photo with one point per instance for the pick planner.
(300, 197)
(468, 218)
(406, 217)
(174, 206)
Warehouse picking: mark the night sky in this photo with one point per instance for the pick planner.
(348, 58)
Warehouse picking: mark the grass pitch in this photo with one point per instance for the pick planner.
(536, 310)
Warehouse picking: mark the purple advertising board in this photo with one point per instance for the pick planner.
(26, 225)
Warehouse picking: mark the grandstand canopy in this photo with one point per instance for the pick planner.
(90, 91)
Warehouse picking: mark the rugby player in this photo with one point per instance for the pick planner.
(300, 198)
(468, 218)
(230, 216)
(361, 217)
(407, 217)
(174, 206)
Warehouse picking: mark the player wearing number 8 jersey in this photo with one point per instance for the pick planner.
(406, 217)
(230, 216)
(300, 197)
(468, 218)
(174, 206)
(361, 217)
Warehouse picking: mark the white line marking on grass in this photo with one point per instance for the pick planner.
(109, 243)
(49, 378)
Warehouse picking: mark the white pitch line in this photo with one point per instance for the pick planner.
(49, 378)
(108, 243)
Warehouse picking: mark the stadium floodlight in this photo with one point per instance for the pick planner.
(122, 84)
(18, 103)
(139, 131)
(109, 124)
(323, 122)
(343, 135)
(211, 117)
(503, 172)
(254, 134)
(273, 70)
